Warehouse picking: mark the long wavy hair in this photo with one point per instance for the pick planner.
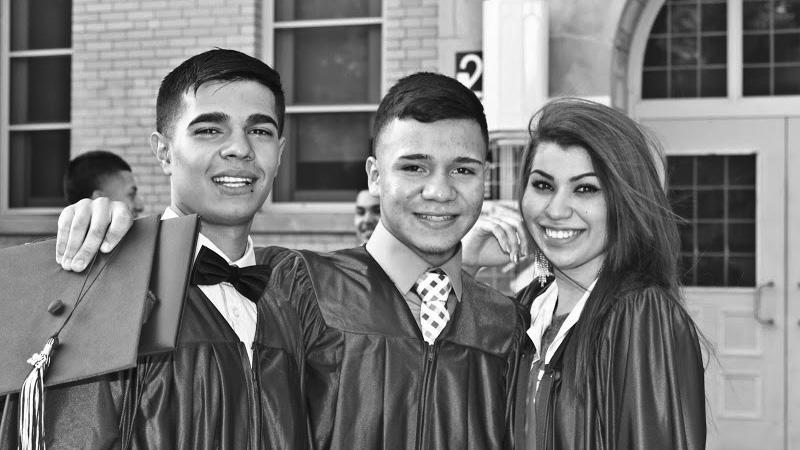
(643, 243)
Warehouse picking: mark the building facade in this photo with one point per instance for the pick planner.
(717, 80)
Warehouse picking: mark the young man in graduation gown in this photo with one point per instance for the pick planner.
(428, 357)
(236, 378)
(419, 355)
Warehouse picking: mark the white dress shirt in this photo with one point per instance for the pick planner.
(238, 310)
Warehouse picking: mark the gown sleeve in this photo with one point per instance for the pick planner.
(651, 374)
(322, 346)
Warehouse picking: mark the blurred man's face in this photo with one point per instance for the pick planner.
(368, 211)
(121, 187)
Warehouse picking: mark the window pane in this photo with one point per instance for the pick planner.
(742, 237)
(682, 201)
(756, 81)
(787, 47)
(325, 9)
(684, 18)
(654, 84)
(742, 271)
(40, 89)
(712, 169)
(742, 203)
(681, 171)
(787, 80)
(715, 50)
(755, 48)
(692, 34)
(687, 238)
(684, 51)
(329, 65)
(711, 204)
(787, 14)
(718, 239)
(656, 53)
(711, 237)
(324, 157)
(713, 83)
(741, 170)
(38, 160)
(714, 17)
(41, 24)
(710, 271)
(755, 15)
(683, 83)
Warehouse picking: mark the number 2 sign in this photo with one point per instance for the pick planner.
(469, 70)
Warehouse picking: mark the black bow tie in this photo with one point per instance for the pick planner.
(211, 268)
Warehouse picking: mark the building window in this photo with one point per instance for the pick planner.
(716, 198)
(329, 55)
(35, 69)
(686, 54)
(771, 47)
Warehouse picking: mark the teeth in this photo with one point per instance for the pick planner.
(560, 234)
(435, 218)
(233, 181)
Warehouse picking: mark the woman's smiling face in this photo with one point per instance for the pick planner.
(565, 210)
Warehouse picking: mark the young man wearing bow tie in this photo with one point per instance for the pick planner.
(419, 354)
(235, 380)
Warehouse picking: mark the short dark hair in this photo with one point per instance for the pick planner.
(88, 170)
(429, 97)
(218, 65)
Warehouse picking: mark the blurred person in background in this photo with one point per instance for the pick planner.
(368, 212)
(100, 173)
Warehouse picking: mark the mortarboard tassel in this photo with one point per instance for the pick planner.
(31, 400)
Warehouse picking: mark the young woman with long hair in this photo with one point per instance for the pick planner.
(615, 359)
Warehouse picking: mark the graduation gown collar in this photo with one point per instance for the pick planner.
(542, 310)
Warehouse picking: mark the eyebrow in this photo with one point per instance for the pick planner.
(458, 160)
(220, 117)
(260, 118)
(213, 117)
(575, 178)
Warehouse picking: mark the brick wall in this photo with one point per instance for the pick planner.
(410, 31)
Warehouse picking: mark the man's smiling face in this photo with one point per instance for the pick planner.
(429, 177)
(223, 151)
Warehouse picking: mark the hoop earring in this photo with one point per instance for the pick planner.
(541, 269)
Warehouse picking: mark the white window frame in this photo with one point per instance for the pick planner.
(24, 220)
(268, 52)
(734, 105)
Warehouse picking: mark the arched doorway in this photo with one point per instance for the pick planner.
(719, 82)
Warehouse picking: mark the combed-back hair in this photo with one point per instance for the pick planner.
(87, 171)
(643, 243)
(429, 97)
(218, 65)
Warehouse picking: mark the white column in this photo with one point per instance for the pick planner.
(515, 54)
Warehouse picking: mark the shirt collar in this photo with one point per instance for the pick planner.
(403, 266)
(542, 310)
(247, 259)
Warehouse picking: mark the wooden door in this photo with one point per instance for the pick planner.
(727, 178)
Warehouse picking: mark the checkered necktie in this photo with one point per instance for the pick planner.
(433, 287)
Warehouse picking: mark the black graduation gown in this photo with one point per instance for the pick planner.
(394, 391)
(205, 394)
(648, 390)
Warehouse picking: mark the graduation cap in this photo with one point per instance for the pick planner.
(127, 303)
